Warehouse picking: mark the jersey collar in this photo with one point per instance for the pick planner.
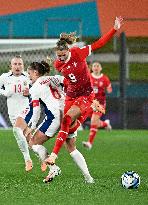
(97, 77)
(69, 56)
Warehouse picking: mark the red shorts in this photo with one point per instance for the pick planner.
(83, 102)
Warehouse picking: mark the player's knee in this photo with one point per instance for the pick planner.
(67, 120)
(70, 143)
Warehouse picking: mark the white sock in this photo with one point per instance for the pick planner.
(80, 161)
(22, 143)
(41, 151)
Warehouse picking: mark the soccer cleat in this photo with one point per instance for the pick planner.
(109, 127)
(43, 166)
(87, 145)
(89, 179)
(56, 171)
(28, 165)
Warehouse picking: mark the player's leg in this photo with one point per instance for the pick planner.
(78, 158)
(45, 131)
(80, 120)
(73, 110)
(105, 124)
(36, 143)
(19, 127)
(76, 108)
(95, 120)
(72, 114)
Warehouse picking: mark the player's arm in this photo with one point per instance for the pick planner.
(4, 92)
(104, 39)
(85, 51)
(36, 113)
(36, 109)
(108, 85)
(109, 89)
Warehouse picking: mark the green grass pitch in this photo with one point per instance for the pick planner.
(112, 154)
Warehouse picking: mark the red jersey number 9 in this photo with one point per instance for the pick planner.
(72, 77)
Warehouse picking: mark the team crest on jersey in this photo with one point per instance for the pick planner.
(75, 64)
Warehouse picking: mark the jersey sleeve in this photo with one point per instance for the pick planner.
(36, 106)
(3, 91)
(2, 80)
(65, 85)
(83, 52)
(108, 85)
(107, 82)
(103, 40)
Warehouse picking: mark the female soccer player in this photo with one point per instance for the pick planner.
(71, 62)
(16, 87)
(101, 84)
(43, 90)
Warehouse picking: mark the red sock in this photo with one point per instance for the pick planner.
(92, 135)
(62, 135)
(103, 124)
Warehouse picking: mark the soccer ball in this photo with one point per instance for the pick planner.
(130, 180)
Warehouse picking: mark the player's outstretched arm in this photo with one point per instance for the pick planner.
(105, 38)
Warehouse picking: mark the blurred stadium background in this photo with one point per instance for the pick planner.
(31, 29)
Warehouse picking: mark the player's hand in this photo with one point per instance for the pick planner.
(118, 23)
(97, 107)
(26, 92)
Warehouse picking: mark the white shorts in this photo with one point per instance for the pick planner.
(70, 136)
(50, 124)
(12, 119)
(27, 114)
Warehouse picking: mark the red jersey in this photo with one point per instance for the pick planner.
(75, 68)
(100, 83)
(76, 71)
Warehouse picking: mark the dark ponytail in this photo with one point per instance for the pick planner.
(46, 66)
(42, 67)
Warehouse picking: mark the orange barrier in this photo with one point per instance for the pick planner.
(134, 9)
(107, 11)
(17, 6)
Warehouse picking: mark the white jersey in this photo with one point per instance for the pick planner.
(45, 89)
(55, 82)
(12, 87)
